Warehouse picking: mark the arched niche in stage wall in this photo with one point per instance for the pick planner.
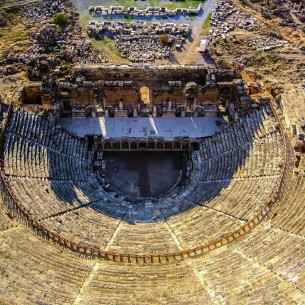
(145, 95)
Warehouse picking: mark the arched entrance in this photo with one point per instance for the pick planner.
(145, 94)
(144, 105)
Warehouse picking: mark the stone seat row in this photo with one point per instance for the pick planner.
(25, 158)
(65, 195)
(260, 158)
(88, 226)
(44, 197)
(30, 275)
(238, 180)
(227, 158)
(291, 214)
(54, 276)
(244, 198)
(5, 220)
(281, 253)
(258, 124)
(201, 225)
(237, 276)
(40, 130)
(265, 267)
(236, 199)
(91, 226)
(142, 284)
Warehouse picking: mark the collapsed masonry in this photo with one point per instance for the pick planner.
(147, 12)
(140, 41)
(226, 17)
(50, 48)
(292, 12)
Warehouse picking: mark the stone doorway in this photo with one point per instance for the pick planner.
(145, 95)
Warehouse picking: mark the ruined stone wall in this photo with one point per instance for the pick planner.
(82, 96)
(32, 93)
(107, 85)
(143, 73)
(175, 96)
(208, 96)
(127, 95)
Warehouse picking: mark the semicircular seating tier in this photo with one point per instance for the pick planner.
(266, 266)
(236, 173)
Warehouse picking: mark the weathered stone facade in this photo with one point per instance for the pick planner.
(131, 90)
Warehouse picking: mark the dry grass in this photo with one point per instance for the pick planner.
(13, 38)
(108, 48)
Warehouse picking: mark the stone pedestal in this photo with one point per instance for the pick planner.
(135, 112)
(154, 111)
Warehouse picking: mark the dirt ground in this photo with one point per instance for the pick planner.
(295, 37)
(283, 66)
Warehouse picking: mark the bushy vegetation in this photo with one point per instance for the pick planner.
(164, 39)
(61, 19)
(207, 22)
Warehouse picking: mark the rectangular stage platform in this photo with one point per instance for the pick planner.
(144, 127)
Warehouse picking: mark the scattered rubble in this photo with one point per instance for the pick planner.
(226, 17)
(44, 11)
(144, 48)
(140, 41)
(148, 12)
(292, 13)
(52, 47)
(267, 43)
(133, 28)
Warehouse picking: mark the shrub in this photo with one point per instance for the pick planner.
(164, 39)
(61, 19)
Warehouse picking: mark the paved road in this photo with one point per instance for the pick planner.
(207, 8)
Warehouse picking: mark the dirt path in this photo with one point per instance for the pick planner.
(190, 53)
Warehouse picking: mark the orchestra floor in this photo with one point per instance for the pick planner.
(139, 174)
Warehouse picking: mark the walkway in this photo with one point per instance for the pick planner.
(167, 128)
